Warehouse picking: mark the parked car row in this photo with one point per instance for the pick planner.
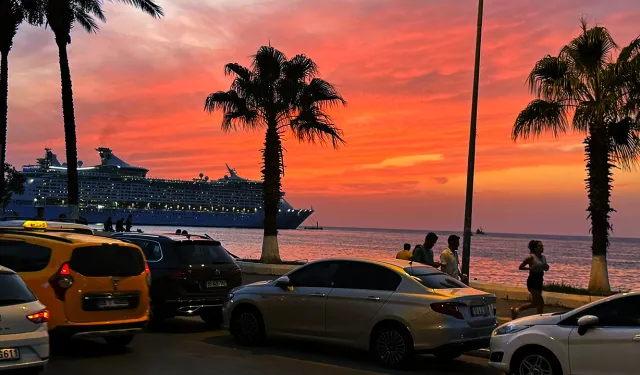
(71, 283)
(61, 281)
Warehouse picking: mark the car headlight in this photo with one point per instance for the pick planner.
(509, 329)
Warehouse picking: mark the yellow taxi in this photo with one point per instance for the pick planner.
(93, 286)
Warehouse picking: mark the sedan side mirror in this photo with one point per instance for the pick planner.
(283, 282)
(586, 322)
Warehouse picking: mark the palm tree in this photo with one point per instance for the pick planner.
(12, 14)
(61, 16)
(277, 94)
(586, 88)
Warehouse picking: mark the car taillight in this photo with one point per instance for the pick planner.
(61, 281)
(39, 317)
(147, 273)
(448, 308)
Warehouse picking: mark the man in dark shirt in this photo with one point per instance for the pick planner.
(424, 254)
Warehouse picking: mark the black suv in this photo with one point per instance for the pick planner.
(190, 275)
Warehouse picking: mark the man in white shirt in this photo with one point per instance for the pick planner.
(449, 260)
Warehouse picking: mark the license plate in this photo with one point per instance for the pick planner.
(215, 283)
(9, 354)
(112, 303)
(480, 311)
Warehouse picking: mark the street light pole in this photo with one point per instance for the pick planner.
(466, 242)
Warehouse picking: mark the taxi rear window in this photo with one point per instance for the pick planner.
(107, 260)
(23, 256)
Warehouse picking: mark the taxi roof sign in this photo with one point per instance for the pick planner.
(35, 224)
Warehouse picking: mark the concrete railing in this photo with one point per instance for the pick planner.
(253, 272)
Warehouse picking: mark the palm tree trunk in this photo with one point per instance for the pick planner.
(599, 190)
(69, 128)
(271, 194)
(4, 92)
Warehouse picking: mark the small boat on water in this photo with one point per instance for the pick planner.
(480, 231)
(314, 227)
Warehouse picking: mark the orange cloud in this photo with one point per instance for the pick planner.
(404, 66)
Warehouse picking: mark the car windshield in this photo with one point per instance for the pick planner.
(13, 290)
(202, 252)
(438, 281)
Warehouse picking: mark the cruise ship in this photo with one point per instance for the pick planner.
(117, 189)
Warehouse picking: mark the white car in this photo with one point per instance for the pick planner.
(24, 337)
(602, 337)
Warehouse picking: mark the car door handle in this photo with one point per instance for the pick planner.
(318, 295)
(372, 298)
(636, 338)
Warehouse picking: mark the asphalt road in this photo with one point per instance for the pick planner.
(186, 346)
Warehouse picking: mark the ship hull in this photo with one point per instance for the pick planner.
(286, 220)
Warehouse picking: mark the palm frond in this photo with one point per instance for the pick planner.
(539, 117)
(34, 11)
(235, 110)
(625, 143)
(12, 14)
(585, 115)
(267, 64)
(313, 125)
(589, 51)
(553, 79)
(244, 118)
(629, 76)
(88, 23)
(300, 68)
(630, 52)
(321, 93)
(147, 6)
(237, 69)
(92, 7)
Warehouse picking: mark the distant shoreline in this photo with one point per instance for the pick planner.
(569, 236)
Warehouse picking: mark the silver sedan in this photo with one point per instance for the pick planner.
(393, 308)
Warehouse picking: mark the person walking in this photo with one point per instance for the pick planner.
(424, 253)
(405, 254)
(536, 264)
(128, 223)
(120, 225)
(449, 261)
(108, 225)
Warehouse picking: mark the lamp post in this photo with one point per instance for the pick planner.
(466, 242)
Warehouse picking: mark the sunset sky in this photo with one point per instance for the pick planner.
(404, 66)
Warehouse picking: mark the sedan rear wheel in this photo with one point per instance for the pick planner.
(392, 346)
